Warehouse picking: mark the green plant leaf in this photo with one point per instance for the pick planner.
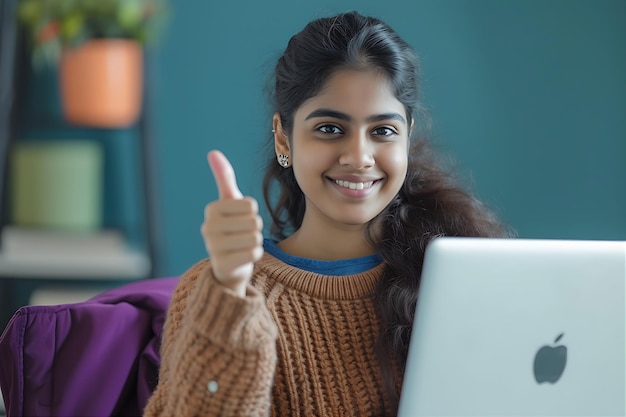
(81, 20)
(71, 26)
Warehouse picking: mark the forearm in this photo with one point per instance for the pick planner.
(221, 359)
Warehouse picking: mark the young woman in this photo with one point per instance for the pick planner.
(317, 320)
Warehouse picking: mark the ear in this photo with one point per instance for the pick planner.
(281, 141)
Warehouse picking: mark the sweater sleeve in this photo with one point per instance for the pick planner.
(218, 355)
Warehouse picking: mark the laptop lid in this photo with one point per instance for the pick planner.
(519, 327)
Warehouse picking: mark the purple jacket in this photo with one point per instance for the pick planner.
(95, 358)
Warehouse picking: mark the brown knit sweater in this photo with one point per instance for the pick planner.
(299, 344)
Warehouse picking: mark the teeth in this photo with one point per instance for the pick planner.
(354, 185)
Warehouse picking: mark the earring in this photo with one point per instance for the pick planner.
(283, 160)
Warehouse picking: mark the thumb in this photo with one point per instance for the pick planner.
(224, 176)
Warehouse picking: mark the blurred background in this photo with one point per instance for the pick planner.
(527, 97)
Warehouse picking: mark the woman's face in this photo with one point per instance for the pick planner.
(349, 149)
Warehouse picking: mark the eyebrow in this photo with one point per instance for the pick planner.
(342, 116)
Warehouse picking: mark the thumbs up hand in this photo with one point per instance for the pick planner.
(232, 228)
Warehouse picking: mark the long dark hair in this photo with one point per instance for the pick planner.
(429, 204)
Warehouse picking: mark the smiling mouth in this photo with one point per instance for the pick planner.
(355, 185)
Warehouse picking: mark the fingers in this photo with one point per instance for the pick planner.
(229, 266)
(233, 216)
(241, 243)
(232, 228)
(234, 242)
(231, 208)
(220, 227)
(224, 176)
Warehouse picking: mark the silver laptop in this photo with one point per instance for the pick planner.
(519, 327)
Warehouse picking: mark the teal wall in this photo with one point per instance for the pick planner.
(527, 96)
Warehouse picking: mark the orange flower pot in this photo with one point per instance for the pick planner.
(102, 83)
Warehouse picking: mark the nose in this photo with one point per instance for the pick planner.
(358, 152)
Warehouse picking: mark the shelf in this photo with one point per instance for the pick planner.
(30, 110)
(129, 264)
(102, 255)
(63, 294)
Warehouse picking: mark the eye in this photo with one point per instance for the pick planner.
(384, 131)
(330, 129)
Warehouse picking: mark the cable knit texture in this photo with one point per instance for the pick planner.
(299, 344)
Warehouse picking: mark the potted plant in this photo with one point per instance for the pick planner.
(98, 47)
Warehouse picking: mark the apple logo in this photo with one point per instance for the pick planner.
(550, 362)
